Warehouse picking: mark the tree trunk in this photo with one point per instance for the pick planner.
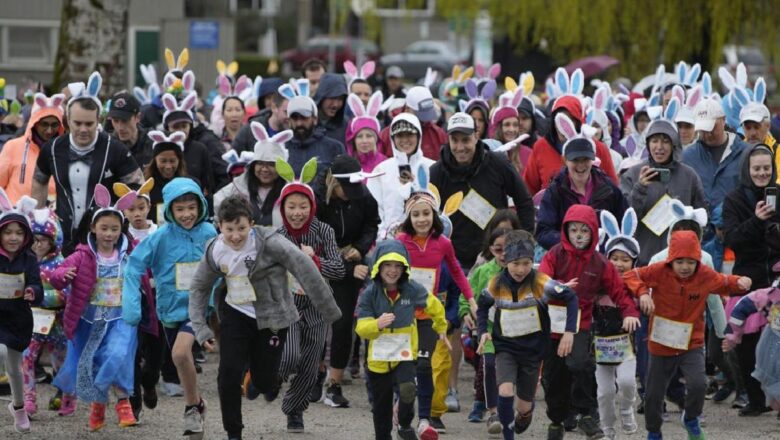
(304, 21)
(93, 36)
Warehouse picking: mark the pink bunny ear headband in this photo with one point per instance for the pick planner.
(365, 113)
(226, 90)
(366, 70)
(40, 102)
(24, 207)
(160, 138)
(103, 201)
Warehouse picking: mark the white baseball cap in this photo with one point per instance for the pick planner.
(460, 122)
(302, 105)
(420, 100)
(754, 111)
(707, 112)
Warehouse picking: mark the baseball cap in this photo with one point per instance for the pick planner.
(343, 164)
(707, 112)
(461, 123)
(754, 111)
(123, 106)
(420, 100)
(302, 105)
(395, 72)
(579, 148)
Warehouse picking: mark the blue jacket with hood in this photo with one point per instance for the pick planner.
(332, 86)
(161, 252)
(717, 179)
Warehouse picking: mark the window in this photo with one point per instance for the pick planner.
(33, 45)
(406, 8)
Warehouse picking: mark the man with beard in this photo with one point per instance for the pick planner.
(330, 97)
(275, 122)
(309, 139)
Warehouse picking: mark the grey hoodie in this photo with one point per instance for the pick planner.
(274, 306)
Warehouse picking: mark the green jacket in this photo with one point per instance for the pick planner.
(479, 279)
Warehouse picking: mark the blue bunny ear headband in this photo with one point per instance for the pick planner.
(620, 238)
(80, 91)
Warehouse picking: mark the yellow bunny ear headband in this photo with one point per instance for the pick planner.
(227, 69)
(179, 64)
(120, 189)
(526, 80)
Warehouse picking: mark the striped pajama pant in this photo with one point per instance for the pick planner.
(302, 354)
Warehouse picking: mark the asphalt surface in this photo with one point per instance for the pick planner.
(265, 420)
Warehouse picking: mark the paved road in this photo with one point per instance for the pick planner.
(266, 421)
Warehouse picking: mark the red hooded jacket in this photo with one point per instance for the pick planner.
(546, 161)
(595, 274)
(678, 299)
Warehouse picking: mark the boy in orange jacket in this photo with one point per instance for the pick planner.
(680, 286)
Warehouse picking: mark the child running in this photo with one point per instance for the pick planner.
(386, 318)
(20, 285)
(49, 334)
(521, 328)
(254, 319)
(172, 253)
(101, 346)
(680, 286)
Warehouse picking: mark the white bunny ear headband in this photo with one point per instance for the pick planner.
(103, 201)
(159, 137)
(683, 212)
(621, 238)
(40, 102)
(365, 112)
(24, 207)
(296, 87)
(269, 148)
(366, 70)
(80, 91)
(566, 127)
(171, 105)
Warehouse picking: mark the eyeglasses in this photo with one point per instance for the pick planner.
(47, 127)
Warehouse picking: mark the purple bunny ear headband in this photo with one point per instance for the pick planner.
(103, 201)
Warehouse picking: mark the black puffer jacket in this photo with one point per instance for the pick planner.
(355, 222)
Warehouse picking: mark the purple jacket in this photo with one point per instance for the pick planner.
(84, 260)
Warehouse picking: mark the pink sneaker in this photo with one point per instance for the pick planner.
(21, 421)
(30, 406)
(68, 406)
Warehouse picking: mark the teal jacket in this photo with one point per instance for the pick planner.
(161, 252)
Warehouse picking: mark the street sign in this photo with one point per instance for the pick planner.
(204, 34)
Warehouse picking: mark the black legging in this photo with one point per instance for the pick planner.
(345, 292)
(747, 363)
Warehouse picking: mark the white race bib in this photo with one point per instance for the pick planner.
(392, 347)
(558, 319)
(774, 317)
(613, 349)
(671, 333)
(160, 214)
(426, 277)
(520, 322)
(107, 292)
(660, 216)
(185, 272)
(240, 290)
(43, 320)
(11, 285)
(477, 209)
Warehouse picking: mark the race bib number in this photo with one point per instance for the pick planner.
(520, 322)
(558, 319)
(660, 216)
(107, 292)
(613, 349)
(43, 320)
(240, 290)
(477, 209)
(11, 286)
(774, 317)
(671, 333)
(185, 272)
(160, 214)
(426, 277)
(392, 347)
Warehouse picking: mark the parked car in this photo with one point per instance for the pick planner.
(754, 61)
(418, 56)
(319, 47)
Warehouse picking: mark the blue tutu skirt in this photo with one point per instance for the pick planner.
(768, 364)
(100, 355)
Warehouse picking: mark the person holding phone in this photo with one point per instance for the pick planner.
(751, 225)
(660, 176)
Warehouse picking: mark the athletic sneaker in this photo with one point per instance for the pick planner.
(570, 424)
(295, 423)
(193, 421)
(493, 424)
(150, 397)
(30, 406)
(654, 436)
(124, 412)
(740, 401)
(172, 389)
(555, 431)
(590, 428)
(628, 422)
(407, 433)
(97, 416)
(722, 394)
(334, 398)
(315, 395)
(477, 412)
(754, 411)
(425, 431)
(438, 425)
(609, 433)
(271, 395)
(21, 421)
(452, 402)
(68, 407)
(523, 421)
(692, 427)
